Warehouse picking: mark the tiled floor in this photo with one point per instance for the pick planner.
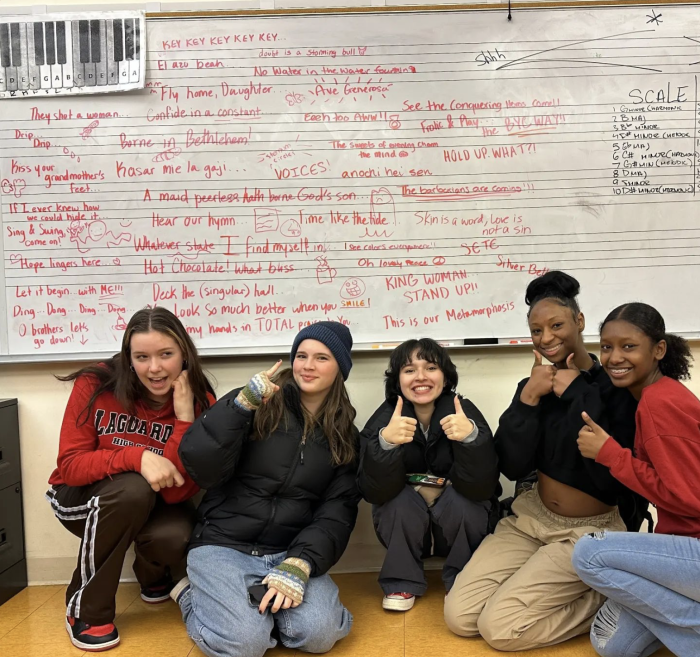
(32, 625)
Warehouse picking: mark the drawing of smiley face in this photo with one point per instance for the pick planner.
(97, 230)
(352, 288)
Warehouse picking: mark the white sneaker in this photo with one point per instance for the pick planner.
(398, 601)
(180, 588)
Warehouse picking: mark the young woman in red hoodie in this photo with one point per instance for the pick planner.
(652, 581)
(119, 478)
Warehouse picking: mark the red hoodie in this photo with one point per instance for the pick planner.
(112, 440)
(666, 470)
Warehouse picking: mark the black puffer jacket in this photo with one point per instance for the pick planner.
(472, 467)
(268, 496)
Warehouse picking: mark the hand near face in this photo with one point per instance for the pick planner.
(540, 383)
(183, 398)
(400, 429)
(564, 377)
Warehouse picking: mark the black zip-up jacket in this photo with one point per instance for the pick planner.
(472, 467)
(272, 495)
(543, 437)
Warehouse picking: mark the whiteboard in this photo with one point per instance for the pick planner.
(405, 173)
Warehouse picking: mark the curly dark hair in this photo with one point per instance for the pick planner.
(555, 285)
(677, 362)
(425, 349)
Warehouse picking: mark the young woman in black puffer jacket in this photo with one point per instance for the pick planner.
(278, 460)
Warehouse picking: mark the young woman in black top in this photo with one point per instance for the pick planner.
(425, 427)
(520, 590)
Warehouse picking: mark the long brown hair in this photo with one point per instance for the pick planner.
(336, 416)
(116, 376)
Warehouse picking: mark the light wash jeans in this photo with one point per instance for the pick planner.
(223, 623)
(652, 582)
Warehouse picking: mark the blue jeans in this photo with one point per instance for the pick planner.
(221, 620)
(652, 582)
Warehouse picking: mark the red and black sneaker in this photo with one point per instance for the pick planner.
(93, 638)
(158, 592)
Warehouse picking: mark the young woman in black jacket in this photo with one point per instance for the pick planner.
(520, 590)
(278, 460)
(424, 427)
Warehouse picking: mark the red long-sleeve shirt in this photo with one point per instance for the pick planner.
(666, 469)
(113, 441)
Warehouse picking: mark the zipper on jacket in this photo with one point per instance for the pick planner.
(301, 453)
(204, 526)
(290, 474)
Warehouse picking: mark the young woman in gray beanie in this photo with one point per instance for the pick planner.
(278, 458)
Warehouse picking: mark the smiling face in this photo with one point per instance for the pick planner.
(555, 333)
(97, 230)
(629, 356)
(157, 360)
(421, 381)
(315, 368)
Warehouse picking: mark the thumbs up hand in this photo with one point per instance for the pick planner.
(563, 377)
(591, 438)
(400, 429)
(540, 383)
(259, 389)
(457, 426)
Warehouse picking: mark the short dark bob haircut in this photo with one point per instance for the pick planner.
(424, 349)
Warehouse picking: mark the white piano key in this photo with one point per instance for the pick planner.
(134, 70)
(68, 66)
(56, 76)
(23, 73)
(112, 66)
(124, 72)
(78, 68)
(3, 76)
(34, 79)
(12, 69)
(45, 75)
(90, 75)
(45, 69)
(101, 68)
(11, 73)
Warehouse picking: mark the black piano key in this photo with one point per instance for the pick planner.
(39, 44)
(137, 39)
(118, 40)
(4, 45)
(16, 45)
(95, 41)
(129, 38)
(61, 55)
(49, 30)
(84, 31)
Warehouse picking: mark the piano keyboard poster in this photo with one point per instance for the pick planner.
(76, 53)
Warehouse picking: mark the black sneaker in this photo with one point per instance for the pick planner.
(158, 592)
(93, 638)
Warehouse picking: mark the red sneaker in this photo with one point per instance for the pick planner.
(93, 638)
(398, 601)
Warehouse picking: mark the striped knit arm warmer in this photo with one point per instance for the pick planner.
(258, 388)
(290, 578)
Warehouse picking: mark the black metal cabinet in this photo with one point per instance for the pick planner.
(13, 564)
